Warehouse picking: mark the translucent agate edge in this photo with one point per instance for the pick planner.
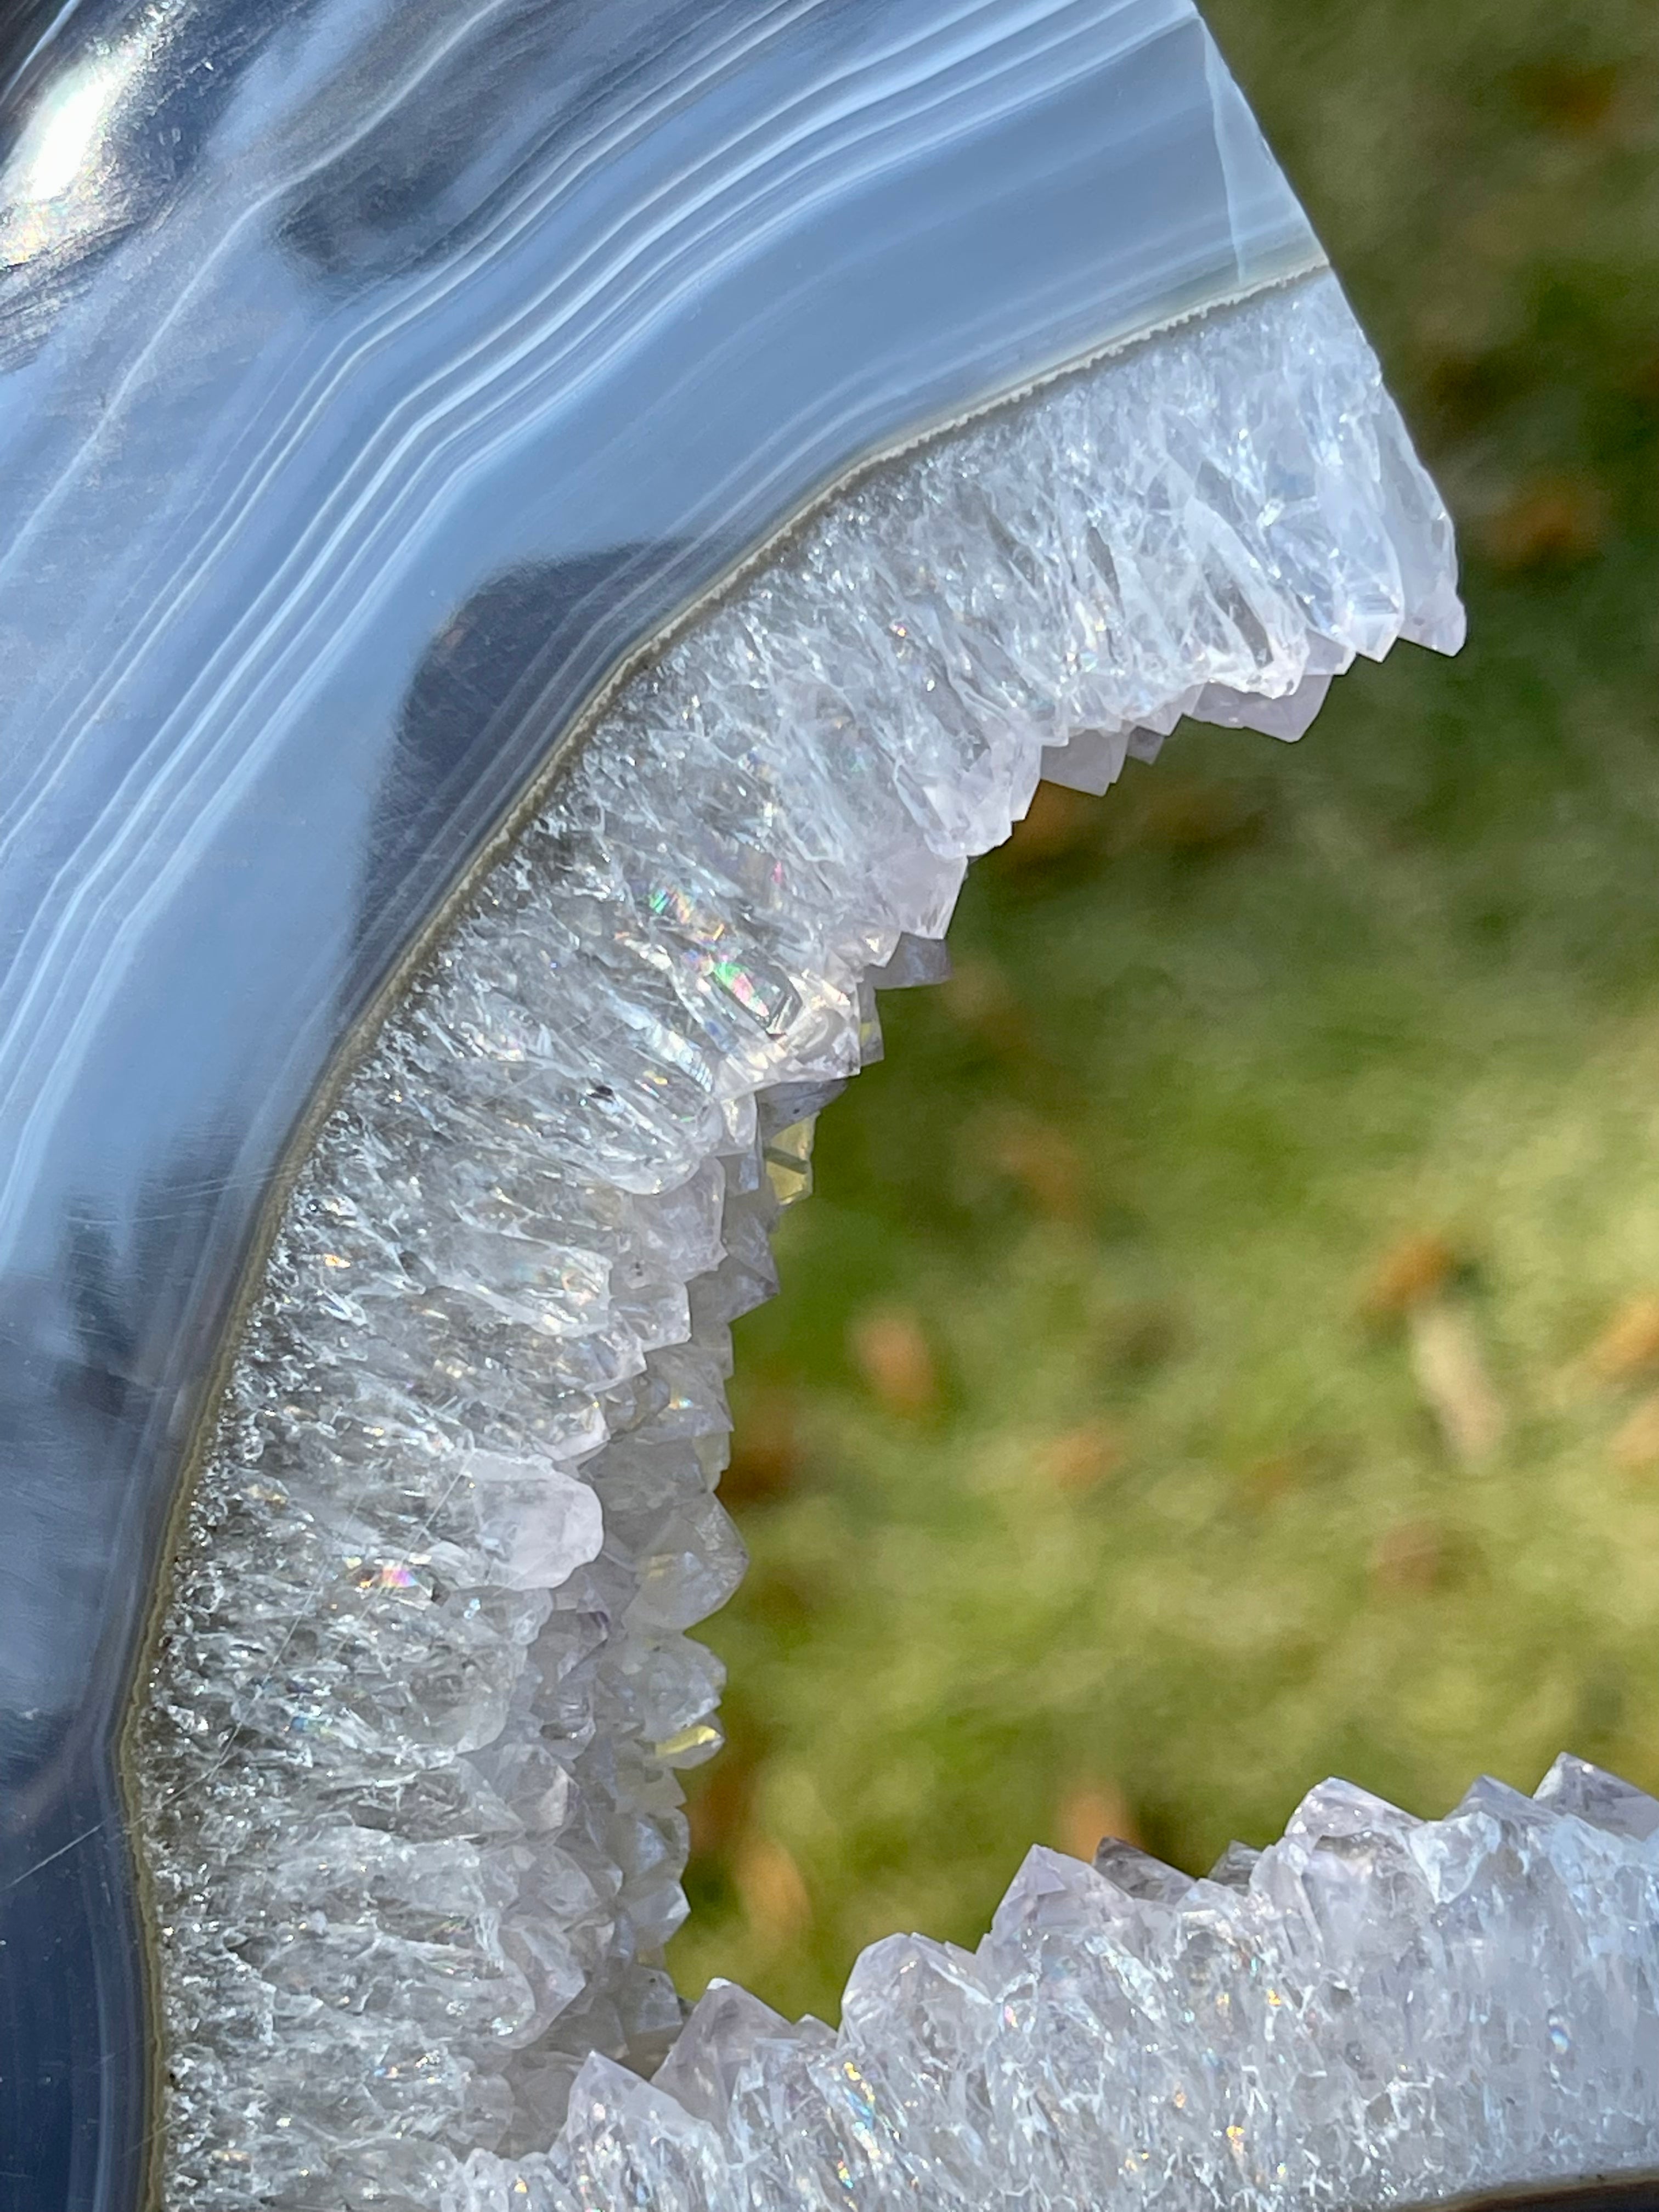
(407, 1758)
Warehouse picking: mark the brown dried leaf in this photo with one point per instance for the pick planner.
(771, 1888)
(766, 1455)
(1042, 1160)
(1417, 1268)
(1082, 1458)
(1090, 1810)
(719, 1800)
(1636, 1445)
(1552, 522)
(1629, 1345)
(1575, 98)
(891, 1353)
(979, 995)
(1059, 822)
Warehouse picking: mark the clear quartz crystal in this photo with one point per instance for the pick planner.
(1375, 2010)
(409, 1755)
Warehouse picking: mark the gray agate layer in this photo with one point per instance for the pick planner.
(539, 539)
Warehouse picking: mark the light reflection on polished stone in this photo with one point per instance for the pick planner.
(375, 376)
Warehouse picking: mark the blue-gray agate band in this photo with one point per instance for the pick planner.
(376, 378)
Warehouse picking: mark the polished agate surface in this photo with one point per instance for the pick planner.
(409, 1753)
(378, 378)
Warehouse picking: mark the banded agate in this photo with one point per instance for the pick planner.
(537, 537)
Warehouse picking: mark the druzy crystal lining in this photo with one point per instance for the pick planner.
(407, 1762)
(1376, 2010)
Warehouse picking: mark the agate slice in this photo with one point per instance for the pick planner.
(539, 538)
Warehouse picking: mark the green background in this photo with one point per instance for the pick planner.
(1222, 1349)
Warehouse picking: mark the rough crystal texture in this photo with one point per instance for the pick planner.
(408, 1757)
(1376, 2010)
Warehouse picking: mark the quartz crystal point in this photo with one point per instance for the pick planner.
(407, 1759)
(539, 537)
(1376, 2010)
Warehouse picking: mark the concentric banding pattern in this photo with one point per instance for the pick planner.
(376, 378)
(407, 1761)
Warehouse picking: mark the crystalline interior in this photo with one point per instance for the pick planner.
(408, 1758)
(1375, 2010)
(1372, 2012)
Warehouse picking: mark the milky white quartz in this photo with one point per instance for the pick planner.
(408, 1757)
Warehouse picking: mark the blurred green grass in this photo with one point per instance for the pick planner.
(1223, 1347)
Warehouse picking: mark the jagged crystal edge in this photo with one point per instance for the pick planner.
(407, 1759)
(1376, 2010)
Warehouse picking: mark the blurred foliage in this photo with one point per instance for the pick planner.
(1224, 1349)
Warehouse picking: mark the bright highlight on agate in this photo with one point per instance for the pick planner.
(539, 537)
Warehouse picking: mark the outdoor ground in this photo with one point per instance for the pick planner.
(1222, 1349)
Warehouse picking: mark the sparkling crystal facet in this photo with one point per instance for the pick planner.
(408, 1757)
